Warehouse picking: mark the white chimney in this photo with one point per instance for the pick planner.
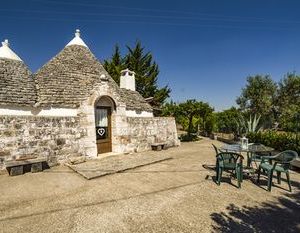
(127, 79)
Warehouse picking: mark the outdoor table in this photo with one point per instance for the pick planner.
(252, 149)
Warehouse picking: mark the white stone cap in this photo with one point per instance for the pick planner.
(127, 71)
(77, 40)
(6, 52)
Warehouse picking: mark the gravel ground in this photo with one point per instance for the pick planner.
(177, 195)
(96, 168)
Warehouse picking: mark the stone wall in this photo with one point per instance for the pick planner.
(55, 138)
(138, 133)
(59, 138)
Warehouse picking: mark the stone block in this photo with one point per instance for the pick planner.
(4, 153)
(157, 147)
(15, 171)
(77, 160)
(36, 167)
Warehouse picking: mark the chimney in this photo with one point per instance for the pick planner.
(127, 79)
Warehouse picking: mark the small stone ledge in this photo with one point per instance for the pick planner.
(15, 167)
(159, 146)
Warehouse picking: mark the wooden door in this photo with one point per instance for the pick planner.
(103, 129)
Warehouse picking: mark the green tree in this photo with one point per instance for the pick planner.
(115, 65)
(146, 72)
(210, 124)
(206, 118)
(195, 113)
(228, 121)
(258, 97)
(169, 109)
(288, 101)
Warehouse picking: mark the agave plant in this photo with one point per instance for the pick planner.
(248, 126)
(252, 124)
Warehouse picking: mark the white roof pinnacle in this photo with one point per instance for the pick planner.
(6, 52)
(77, 40)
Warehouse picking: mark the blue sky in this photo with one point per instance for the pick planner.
(205, 49)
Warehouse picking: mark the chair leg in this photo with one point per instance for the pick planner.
(288, 180)
(217, 171)
(241, 174)
(278, 177)
(219, 176)
(270, 177)
(258, 175)
(248, 159)
(238, 177)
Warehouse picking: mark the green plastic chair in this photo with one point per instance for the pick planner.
(253, 157)
(230, 161)
(217, 150)
(281, 164)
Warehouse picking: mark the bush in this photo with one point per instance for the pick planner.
(279, 141)
(188, 138)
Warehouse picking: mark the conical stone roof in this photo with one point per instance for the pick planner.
(65, 81)
(68, 78)
(17, 87)
(134, 100)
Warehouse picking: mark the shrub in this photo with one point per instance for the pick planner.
(188, 138)
(279, 141)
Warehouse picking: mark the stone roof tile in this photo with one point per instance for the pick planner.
(68, 78)
(17, 87)
(134, 101)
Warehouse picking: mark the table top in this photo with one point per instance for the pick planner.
(256, 148)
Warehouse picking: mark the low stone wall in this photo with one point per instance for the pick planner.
(55, 138)
(140, 132)
(60, 138)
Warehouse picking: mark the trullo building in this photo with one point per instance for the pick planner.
(72, 107)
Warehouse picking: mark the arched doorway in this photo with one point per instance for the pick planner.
(103, 111)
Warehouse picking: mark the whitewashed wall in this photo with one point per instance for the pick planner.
(22, 111)
(133, 113)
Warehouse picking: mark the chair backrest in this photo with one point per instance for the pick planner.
(229, 157)
(254, 144)
(286, 156)
(216, 149)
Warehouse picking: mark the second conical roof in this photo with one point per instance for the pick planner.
(69, 77)
(17, 87)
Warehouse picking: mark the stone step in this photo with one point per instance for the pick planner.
(115, 164)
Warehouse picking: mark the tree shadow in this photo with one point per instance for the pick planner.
(282, 215)
(263, 183)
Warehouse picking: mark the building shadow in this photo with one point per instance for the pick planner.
(281, 215)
